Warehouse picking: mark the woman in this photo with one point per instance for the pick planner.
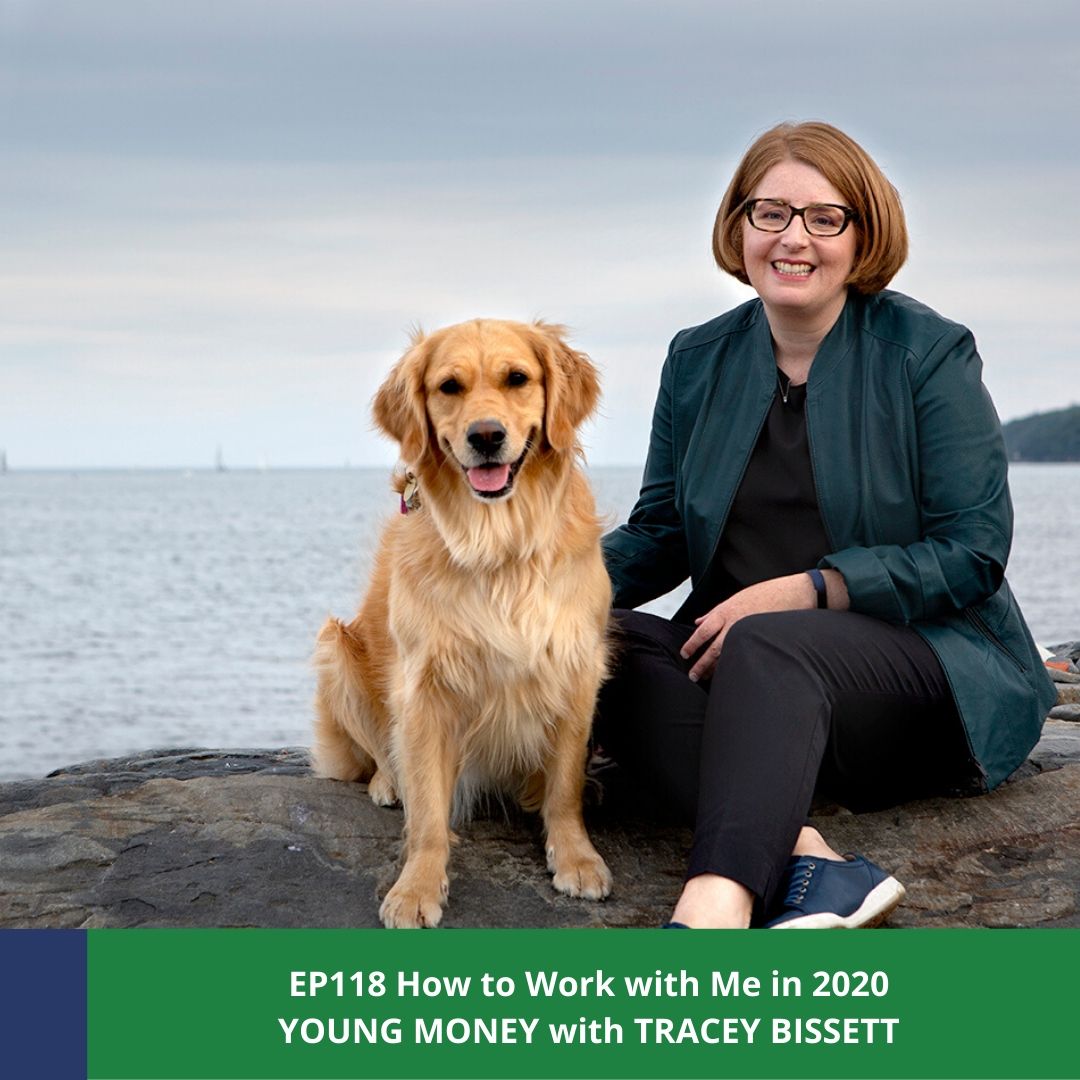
(827, 468)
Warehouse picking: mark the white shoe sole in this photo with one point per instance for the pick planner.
(879, 904)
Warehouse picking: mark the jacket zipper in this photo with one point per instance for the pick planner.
(979, 623)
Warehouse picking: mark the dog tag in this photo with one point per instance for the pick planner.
(410, 497)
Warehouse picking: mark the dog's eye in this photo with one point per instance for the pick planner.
(451, 386)
(517, 378)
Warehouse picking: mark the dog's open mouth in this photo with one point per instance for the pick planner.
(493, 481)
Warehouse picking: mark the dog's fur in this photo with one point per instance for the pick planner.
(475, 659)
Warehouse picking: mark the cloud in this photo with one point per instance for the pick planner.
(234, 212)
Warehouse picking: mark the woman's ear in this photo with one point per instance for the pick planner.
(399, 409)
(572, 385)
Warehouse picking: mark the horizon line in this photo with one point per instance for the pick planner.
(346, 467)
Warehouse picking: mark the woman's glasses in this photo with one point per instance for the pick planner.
(775, 215)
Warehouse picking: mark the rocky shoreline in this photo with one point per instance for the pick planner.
(231, 838)
(250, 838)
(1064, 667)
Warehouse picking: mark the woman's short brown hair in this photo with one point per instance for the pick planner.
(881, 235)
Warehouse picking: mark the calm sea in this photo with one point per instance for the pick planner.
(148, 609)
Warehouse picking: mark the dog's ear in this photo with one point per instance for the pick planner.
(399, 408)
(572, 385)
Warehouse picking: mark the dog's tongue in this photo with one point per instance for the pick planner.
(492, 478)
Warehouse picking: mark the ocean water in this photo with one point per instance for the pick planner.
(178, 608)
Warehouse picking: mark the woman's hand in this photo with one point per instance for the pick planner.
(791, 593)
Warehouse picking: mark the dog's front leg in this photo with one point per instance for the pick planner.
(578, 868)
(428, 772)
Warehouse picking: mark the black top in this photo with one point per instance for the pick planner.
(774, 527)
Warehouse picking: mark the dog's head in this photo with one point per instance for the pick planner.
(484, 396)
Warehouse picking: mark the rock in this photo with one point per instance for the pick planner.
(1067, 650)
(1059, 676)
(1065, 712)
(1068, 693)
(251, 838)
(1062, 667)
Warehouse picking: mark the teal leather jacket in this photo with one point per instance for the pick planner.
(911, 477)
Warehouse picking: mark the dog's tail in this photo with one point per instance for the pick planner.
(341, 664)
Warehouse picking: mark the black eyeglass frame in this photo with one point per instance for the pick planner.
(799, 211)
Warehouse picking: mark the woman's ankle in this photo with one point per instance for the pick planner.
(811, 842)
(712, 902)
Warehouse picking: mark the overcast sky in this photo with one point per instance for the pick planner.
(219, 220)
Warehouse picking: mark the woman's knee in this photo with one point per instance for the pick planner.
(765, 664)
(773, 636)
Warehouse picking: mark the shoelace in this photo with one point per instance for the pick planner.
(798, 885)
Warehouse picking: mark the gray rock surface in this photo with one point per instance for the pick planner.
(1070, 649)
(1066, 712)
(251, 838)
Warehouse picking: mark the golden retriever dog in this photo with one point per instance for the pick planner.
(476, 656)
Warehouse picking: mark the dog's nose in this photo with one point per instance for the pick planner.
(486, 436)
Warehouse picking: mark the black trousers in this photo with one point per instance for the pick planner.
(853, 708)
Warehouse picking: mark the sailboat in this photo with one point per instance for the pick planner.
(219, 460)
(3, 461)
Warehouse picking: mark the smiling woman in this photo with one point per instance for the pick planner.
(880, 233)
(782, 227)
(827, 468)
(800, 272)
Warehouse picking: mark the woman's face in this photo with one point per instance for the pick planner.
(798, 275)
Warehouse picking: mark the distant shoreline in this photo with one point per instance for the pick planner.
(212, 470)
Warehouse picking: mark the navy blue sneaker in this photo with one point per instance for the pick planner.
(823, 894)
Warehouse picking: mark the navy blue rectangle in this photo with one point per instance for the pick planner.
(43, 1003)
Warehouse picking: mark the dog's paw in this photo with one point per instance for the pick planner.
(410, 906)
(381, 789)
(583, 875)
